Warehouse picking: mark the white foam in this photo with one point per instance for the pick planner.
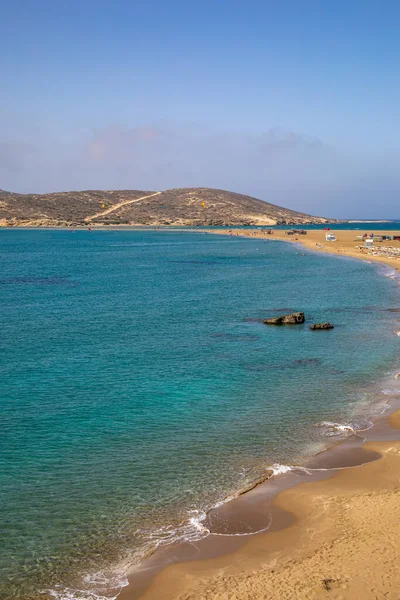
(391, 275)
(391, 392)
(76, 594)
(90, 594)
(242, 533)
(98, 585)
(278, 469)
(197, 521)
(383, 406)
(99, 578)
(333, 429)
(388, 272)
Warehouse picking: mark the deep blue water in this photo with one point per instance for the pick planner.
(138, 386)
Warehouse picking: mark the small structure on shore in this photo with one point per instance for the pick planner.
(330, 237)
(369, 242)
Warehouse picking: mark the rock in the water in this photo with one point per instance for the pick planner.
(292, 319)
(325, 325)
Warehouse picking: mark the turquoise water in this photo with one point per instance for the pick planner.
(139, 388)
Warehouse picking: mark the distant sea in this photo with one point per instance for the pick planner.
(353, 225)
(359, 225)
(139, 387)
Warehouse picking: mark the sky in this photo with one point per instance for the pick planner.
(294, 102)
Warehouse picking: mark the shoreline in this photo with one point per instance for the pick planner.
(186, 574)
(223, 549)
(314, 240)
(188, 571)
(336, 543)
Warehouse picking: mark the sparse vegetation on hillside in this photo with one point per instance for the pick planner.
(182, 206)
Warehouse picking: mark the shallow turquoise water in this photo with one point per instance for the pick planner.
(138, 387)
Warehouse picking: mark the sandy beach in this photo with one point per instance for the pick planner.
(343, 538)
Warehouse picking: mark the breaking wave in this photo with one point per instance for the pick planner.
(99, 587)
(331, 429)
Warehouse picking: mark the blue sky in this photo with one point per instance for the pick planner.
(294, 102)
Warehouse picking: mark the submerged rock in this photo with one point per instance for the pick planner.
(307, 361)
(293, 319)
(325, 325)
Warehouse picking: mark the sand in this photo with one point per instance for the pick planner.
(344, 540)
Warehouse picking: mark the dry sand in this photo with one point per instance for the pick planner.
(345, 540)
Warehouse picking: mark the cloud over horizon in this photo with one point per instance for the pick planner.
(281, 166)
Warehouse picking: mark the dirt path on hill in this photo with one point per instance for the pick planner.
(119, 205)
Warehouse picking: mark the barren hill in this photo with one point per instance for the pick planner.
(60, 208)
(182, 206)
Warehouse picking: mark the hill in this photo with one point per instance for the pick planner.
(60, 208)
(182, 206)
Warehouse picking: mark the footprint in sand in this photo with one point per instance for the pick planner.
(330, 584)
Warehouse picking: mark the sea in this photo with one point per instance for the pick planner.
(140, 388)
(359, 226)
